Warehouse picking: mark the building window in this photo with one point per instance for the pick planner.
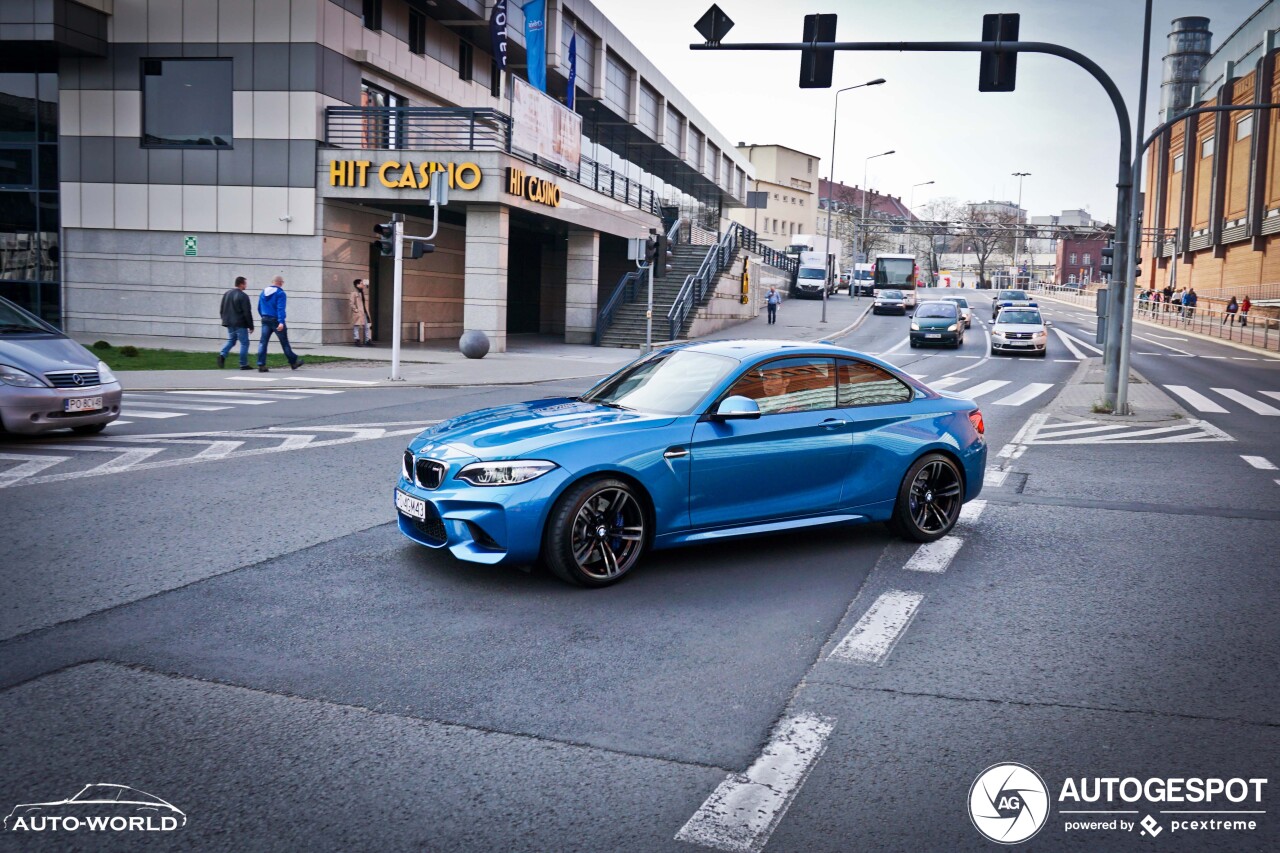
(1073, 259)
(186, 103)
(809, 162)
(1177, 163)
(1244, 127)
(1088, 259)
(417, 32)
(1206, 148)
(372, 14)
(381, 129)
(466, 58)
(802, 202)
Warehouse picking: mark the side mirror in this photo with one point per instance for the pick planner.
(736, 409)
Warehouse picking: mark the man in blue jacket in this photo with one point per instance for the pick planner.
(271, 307)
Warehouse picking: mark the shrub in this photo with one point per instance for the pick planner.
(101, 345)
(129, 352)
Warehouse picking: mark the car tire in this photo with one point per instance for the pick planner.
(914, 345)
(936, 477)
(88, 429)
(596, 532)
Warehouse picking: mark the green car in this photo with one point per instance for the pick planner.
(937, 323)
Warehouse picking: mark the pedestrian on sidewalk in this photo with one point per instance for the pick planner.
(1244, 310)
(237, 317)
(1190, 300)
(272, 309)
(361, 328)
(771, 300)
(1230, 313)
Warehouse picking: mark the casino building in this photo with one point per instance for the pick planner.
(150, 152)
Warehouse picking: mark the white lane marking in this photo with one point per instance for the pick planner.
(1026, 395)
(234, 398)
(1132, 437)
(314, 390)
(131, 403)
(1213, 356)
(1067, 360)
(218, 450)
(1166, 337)
(1275, 395)
(967, 356)
(1076, 351)
(1166, 346)
(1149, 353)
(252, 379)
(948, 381)
(934, 556)
(1197, 401)
(142, 413)
(1242, 358)
(745, 808)
(877, 632)
(983, 388)
(919, 376)
(336, 381)
(1083, 343)
(28, 466)
(899, 345)
(1248, 402)
(119, 422)
(126, 460)
(1079, 430)
(995, 477)
(1259, 462)
(972, 511)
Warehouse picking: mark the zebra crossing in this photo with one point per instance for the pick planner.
(1209, 404)
(165, 405)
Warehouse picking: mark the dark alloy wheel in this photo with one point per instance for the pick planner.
(596, 533)
(929, 499)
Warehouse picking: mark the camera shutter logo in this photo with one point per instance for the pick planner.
(1008, 803)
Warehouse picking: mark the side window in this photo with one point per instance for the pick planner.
(863, 384)
(790, 385)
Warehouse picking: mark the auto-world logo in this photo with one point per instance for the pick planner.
(1008, 803)
(98, 808)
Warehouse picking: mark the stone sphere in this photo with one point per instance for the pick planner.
(474, 344)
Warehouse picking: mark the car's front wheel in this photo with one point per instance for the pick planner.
(595, 533)
(929, 499)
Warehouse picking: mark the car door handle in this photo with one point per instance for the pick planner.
(829, 423)
(675, 453)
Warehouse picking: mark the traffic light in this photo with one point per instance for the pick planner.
(997, 71)
(816, 65)
(418, 248)
(386, 232)
(1108, 253)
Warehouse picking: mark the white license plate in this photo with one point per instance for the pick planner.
(82, 404)
(411, 506)
(933, 336)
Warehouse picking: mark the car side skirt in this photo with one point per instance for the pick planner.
(688, 537)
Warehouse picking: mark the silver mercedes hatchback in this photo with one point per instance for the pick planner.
(48, 381)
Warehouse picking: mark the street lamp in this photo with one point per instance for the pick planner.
(1020, 176)
(911, 211)
(912, 203)
(831, 183)
(863, 220)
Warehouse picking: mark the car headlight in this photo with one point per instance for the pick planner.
(996, 334)
(22, 379)
(505, 473)
(951, 328)
(104, 373)
(1041, 335)
(915, 327)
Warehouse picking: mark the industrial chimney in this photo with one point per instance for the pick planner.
(1189, 44)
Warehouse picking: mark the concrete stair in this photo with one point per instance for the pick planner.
(628, 327)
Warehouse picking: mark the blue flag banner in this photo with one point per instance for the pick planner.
(498, 33)
(535, 41)
(573, 70)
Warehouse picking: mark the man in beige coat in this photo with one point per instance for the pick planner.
(361, 328)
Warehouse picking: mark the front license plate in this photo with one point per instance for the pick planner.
(933, 336)
(411, 506)
(82, 404)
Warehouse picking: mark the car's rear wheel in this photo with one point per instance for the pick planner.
(929, 499)
(596, 533)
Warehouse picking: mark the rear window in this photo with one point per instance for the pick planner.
(937, 309)
(863, 384)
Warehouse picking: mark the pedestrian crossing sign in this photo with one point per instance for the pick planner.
(189, 244)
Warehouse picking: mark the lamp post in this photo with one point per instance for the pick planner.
(862, 221)
(831, 183)
(911, 211)
(1020, 176)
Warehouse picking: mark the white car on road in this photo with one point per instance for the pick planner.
(1020, 330)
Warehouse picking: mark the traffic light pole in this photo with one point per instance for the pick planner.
(397, 295)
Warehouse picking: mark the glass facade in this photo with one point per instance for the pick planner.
(30, 272)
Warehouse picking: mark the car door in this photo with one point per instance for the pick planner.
(882, 439)
(790, 461)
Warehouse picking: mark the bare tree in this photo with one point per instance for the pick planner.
(945, 212)
(985, 240)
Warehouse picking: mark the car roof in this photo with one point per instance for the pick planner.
(749, 350)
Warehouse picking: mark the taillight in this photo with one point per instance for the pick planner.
(975, 418)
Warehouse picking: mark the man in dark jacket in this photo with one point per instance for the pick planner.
(237, 316)
(271, 305)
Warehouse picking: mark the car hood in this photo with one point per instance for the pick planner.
(521, 428)
(1005, 328)
(42, 353)
(934, 322)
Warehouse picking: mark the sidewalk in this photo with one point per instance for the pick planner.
(439, 364)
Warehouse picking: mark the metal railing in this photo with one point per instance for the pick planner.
(698, 286)
(778, 260)
(625, 291)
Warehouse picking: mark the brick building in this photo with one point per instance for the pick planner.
(1078, 260)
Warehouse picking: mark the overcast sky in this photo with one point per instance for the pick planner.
(1058, 125)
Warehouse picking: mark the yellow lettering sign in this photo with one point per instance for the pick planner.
(382, 173)
(406, 180)
(395, 175)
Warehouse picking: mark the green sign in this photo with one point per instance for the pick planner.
(189, 245)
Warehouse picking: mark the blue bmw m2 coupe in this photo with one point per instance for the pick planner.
(691, 443)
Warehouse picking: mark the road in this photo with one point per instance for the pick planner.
(215, 606)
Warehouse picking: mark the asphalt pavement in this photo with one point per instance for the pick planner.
(215, 606)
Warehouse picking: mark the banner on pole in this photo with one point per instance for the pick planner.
(573, 70)
(498, 33)
(535, 42)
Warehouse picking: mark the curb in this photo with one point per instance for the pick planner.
(1077, 379)
(852, 327)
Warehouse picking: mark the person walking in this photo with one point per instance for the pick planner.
(1191, 300)
(771, 300)
(1244, 310)
(272, 309)
(237, 317)
(361, 328)
(1230, 313)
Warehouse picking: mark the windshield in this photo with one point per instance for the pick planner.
(891, 294)
(1018, 318)
(959, 300)
(862, 275)
(1013, 294)
(936, 309)
(896, 272)
(812, 272)
(670, 384)
(13, 321)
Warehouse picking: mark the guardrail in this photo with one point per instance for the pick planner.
(698, 286)
(625, 291)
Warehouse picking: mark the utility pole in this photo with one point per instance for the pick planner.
(1017, 239)
(862, 221)
(831, 186)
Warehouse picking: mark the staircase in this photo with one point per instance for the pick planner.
(628, 328)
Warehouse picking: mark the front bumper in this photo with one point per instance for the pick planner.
(941, 339)
(32, 410)
(897, 308)
(1018, 346)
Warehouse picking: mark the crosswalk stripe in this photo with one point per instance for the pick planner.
(1197, 401)
(314, 390)
(233, 398)
(169, 404)
(1275, 395)
(335, 381)
(139, 413)
(1247, 401)
(984, 388)
(1026, 395)
(876, 633)
(1259, 462)
(1052, 431)
(948, 381)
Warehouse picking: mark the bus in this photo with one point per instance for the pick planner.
(896, 272)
